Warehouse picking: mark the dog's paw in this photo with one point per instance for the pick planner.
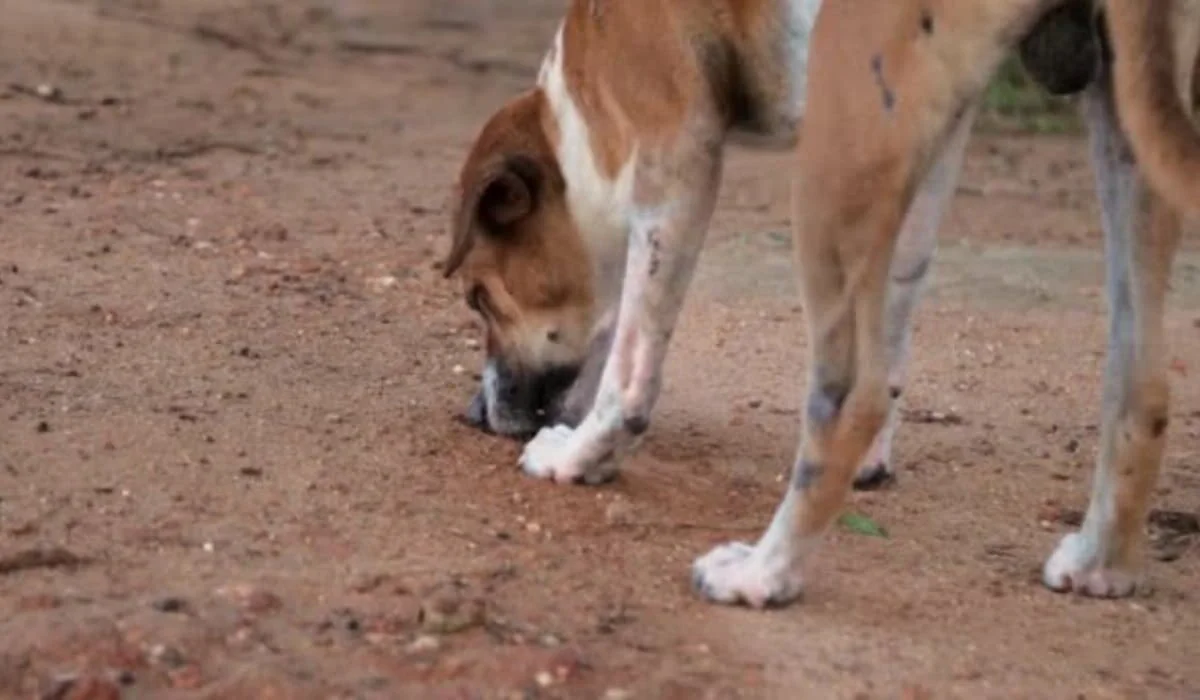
(733, 573)
(555, 454)
(1072, 569)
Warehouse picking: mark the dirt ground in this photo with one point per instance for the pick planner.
(230, 465)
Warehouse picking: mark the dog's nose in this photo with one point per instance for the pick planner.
(476, 414)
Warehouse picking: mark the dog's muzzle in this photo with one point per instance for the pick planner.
(518, 403)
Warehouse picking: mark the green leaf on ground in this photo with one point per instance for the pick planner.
(861, 524)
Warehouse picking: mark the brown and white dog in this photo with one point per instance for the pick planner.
(584, 204)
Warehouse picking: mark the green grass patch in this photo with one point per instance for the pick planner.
(1014, 103)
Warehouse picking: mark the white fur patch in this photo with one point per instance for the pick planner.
(796, 19)
(600, 206)
(799, 20)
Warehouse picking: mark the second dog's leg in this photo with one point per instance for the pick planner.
(882, 103)
(910, 269)
(1103, 558)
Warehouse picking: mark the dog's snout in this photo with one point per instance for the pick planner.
(476, 414)
(512, 402)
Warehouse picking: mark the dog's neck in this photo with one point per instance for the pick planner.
(600, 185)
(601, 206)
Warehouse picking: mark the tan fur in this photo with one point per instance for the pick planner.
(530, 275)
(691, 57)
(868, 142)
(1150, 99)
(656, 87)
(714, 61)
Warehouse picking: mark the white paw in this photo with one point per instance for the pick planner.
(734, 573)
(1073, 568)
(555, 454)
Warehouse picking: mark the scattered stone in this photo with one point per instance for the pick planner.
(617, 694)
(450, 613)
(423, 644)
(383, 283)
(250, 598)
(755, 403)
(166, 656)
(544, 679)
(43, 427)
(48, 92)
(931, 417)
(1050, 511)
(619, 513)
(1175, 521)
(564, 664)
(459, 370)
(365, 583)
(1173, 534)
(170, 604)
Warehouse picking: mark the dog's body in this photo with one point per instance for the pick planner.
(585, 203)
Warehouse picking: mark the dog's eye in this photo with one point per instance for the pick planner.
(476, 298)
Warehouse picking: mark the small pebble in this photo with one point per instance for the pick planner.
(450, 613)
(618, 513)
(170, 604)
(251, 598)
(207, 546)
(47, 91)
(424, 643)
(459, 370)
(381, 284)
(168, 656)
(544, 679)
(617, 694)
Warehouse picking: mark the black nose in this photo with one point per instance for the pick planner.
(476, 414)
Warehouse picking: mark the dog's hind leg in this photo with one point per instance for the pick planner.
(910, 269)
(1141, 234)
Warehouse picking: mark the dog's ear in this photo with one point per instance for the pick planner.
(493, 202)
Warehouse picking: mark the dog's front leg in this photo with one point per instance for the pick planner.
(674, 198)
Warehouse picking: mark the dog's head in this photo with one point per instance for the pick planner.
(524, 269)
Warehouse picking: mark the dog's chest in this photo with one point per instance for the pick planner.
(600, 205)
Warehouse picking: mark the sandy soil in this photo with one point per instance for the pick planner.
(229, 458)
